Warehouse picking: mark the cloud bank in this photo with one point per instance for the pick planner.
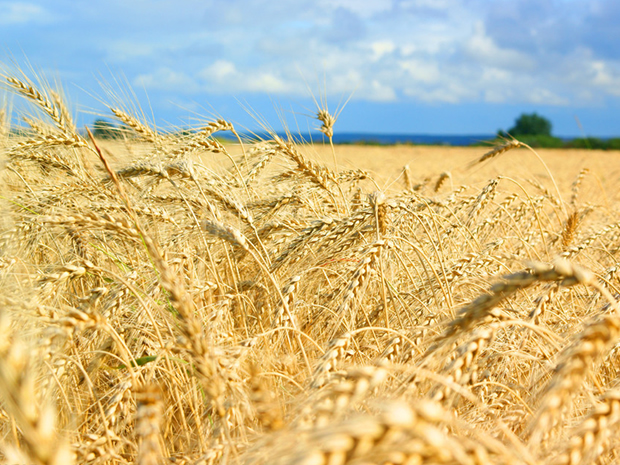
(555, 53)
(543, 52)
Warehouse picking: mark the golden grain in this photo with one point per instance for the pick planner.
(171, 298)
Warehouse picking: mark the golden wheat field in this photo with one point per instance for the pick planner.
(169, 299)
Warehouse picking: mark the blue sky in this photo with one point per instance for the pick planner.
(410, 66)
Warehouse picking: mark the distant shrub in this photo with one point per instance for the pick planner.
(104, 129)
(368, 142)
(613, 144)
(542, 141)
(588, 143)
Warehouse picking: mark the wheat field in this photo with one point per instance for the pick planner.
(171, 299)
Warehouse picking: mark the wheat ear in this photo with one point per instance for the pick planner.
(576, 362)
(590, 439)
(475, 312)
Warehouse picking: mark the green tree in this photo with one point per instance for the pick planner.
(533, 130)
(103, 129)
(531, 125)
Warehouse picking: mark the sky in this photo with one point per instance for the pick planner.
(400, 66)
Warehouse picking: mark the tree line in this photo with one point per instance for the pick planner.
(535, 130)
(530, 128)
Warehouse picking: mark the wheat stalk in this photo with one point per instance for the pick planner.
(148, 426)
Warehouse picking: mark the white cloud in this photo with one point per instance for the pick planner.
(484, 50)
(220, 77)
(380, 92)
(491, 74)
(167, 79)
(22, 13)
(430, 4)
(219, 71)
(223, 76)
(425, 50)
(426, 71)
(382, 48)
(267, 82)
(363, 8)
(604, 76)
(118, 51)
(496, 95)
(545, 96)
(409, 50)
(446, 56)
(346, 76)
(345, 82)
(443, 92)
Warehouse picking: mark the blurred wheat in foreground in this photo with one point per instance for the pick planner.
(171, 299)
